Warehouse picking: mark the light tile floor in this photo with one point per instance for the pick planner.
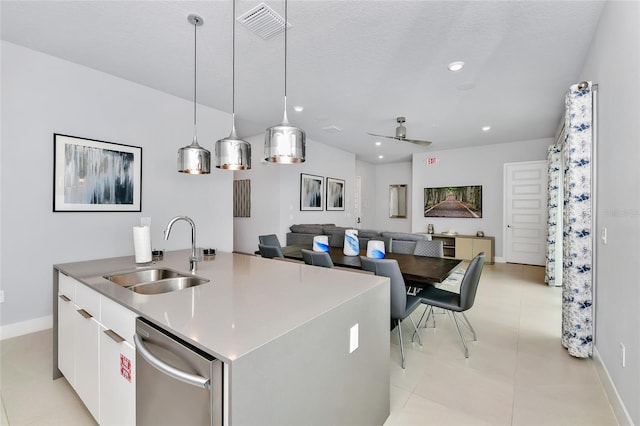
(517, 373)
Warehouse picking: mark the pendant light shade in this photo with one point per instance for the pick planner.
(233, 153)
(284, 143)
(194, 159)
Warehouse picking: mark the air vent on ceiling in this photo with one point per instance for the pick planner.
(263, 21)
(332, 129)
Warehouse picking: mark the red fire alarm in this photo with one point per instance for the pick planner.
(432, 160)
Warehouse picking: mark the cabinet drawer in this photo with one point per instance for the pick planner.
(118, 318)
(66, 286)
(88, 299)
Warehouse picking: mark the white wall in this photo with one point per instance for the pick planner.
(471, 166)
(42, 95)
(614, 64)
(390, 174)
(275, 193)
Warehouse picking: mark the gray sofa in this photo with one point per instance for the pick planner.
(400, 242)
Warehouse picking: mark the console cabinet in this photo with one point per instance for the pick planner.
(466, 247)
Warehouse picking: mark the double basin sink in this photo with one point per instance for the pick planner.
(155, 281)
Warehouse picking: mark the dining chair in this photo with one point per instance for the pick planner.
(402, 305)
(456, 302)
(270, 252)
(317, 258)
(269, 240)
(431, 248)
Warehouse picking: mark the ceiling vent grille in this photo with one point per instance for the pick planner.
(263, 21)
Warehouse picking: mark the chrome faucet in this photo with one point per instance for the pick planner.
(194, 258)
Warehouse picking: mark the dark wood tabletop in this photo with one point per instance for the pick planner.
(413, 268)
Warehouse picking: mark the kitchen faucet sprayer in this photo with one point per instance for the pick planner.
(194, 258)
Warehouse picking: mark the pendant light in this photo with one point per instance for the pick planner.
(233, 153)
(194, 159)
(284, 143)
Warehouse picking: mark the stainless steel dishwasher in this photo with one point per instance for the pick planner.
(176, 383)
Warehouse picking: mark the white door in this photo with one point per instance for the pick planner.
(525, 204)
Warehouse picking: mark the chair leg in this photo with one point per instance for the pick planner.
(468, 324)
(399, 327)
(430, 309)
(455, 320)
(415, 331)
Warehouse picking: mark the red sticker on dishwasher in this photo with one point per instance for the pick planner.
(125, 367)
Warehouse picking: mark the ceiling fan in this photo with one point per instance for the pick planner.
(401, 134)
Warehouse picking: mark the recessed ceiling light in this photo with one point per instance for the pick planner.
(456, 66)
(298, 108)
(486, 128)
(381, 156)
(378, 143)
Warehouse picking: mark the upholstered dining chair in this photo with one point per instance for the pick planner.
(402, 305)
(317, 258)
(456, 302)
(270, 251)
(269, 240)
(431, 248)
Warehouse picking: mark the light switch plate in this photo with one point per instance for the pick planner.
(145, 221)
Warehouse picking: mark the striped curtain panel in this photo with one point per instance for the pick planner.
(577, 261)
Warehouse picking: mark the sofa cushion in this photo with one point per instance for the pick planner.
(405, 236)
(315, 229)
(368, 233)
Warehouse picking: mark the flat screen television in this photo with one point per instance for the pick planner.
(453, 201)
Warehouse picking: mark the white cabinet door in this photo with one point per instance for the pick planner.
(87, 355)
(66, 340)
(117, 380)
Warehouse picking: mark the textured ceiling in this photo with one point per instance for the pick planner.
(355, 65)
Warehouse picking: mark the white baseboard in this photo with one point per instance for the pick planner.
(619, 410)
(25, 327)
(497, 259)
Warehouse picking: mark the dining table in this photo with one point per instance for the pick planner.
(414, 268)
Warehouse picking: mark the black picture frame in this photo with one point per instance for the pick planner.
(335, 194)
(91, 175)
(311, 192)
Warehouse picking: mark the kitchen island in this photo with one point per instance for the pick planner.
(283, 330)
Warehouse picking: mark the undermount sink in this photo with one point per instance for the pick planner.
(155, 281)
(168, 285)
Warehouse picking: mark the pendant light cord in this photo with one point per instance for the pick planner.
(195, 72)
(285, 120)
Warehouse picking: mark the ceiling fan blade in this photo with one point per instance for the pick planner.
(381, 136)
(416, 141)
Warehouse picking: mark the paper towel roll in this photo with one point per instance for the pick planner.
(142, 244)
(321, 243)
(351, 244)
(375, 249)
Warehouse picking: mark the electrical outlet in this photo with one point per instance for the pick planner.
(1, 296)
(623, 355)
(145, 221)
(603, 235)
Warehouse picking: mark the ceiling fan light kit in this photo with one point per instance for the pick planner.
(193, 159)
(284, 143)
(233, 153)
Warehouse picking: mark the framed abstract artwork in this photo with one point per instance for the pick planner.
(335, 194)
(95, 176)
(311, 192)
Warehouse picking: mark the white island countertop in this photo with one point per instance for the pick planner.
(248, 302)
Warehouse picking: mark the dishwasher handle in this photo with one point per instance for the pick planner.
(183, 376)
